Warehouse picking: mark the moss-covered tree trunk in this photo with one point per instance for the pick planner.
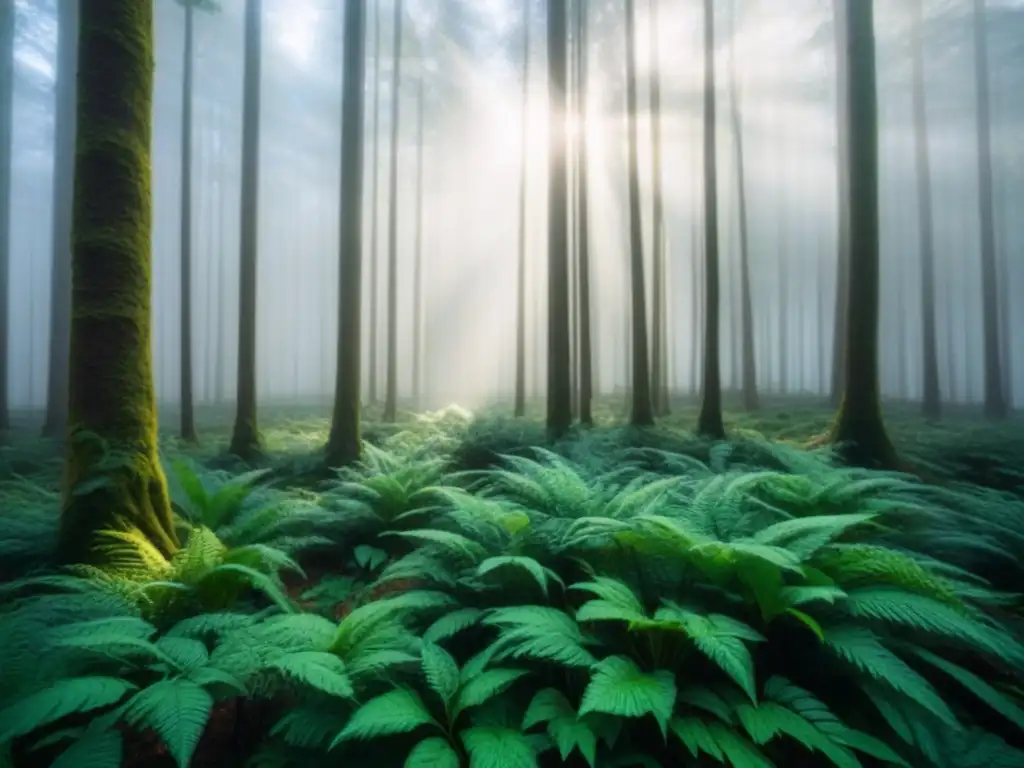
(56, 422)
(343, 446)
(642, 409)
(391, 382)
(519, 404)
(113, 474)
(245, 437)
(931, 402)
(859, 427)
(709, 422)
(586, 347)
(559, 389)
(188, 421)
(6, 131)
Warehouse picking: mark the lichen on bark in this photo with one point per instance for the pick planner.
(113, 474)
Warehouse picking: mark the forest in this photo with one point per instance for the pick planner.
(511, 383)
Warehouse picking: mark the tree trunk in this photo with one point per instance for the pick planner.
(245, 439)
(63, 186)
(112, 404)
(374, 206)
(188, 422)
(221, 262)
(859, 427)
(519, 407)
(417, 284)
(709, 423)
(343, 444)
(931, 403)
(586, 360)
(391, 391)
(842, 208)
(6, 134)
(658, 397)
(642, 410)
(749, 361)
(995, 397)
(559, 390)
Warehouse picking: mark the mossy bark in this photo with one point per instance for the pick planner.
(859, 427)
(113, 475)
(245, 438)
(343, 446)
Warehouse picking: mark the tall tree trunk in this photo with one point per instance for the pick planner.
(112, 404)
(343, 444)
(417, 284)
(586, 355)
(63, 186)
(749, 361)
(931, 403)
(695, 309)
(245, 439)
(859, 427)
(995, 397)
(374, 206)
(658, 397)
(221, 260)
(785, 276)
(6, 134)
(188, 422)
(842, 207)
(709, 423)
(642, 411)
(391, 385)
(559, 390)
(519, 407)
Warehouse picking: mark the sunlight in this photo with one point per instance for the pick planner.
(295, 30)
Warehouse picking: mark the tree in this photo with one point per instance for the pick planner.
(996, 405)
(188, 423)
(114, 477)
(709, 422)
(63, 175)
(417, 283)
(374, 200)
(859, 428)
(245, 438)
(343, 445)
(842, 207)
(519, 405)
(6, 134)
(642, 410)
(586, 354)
(659, 395)
(749, 362)
(559, 390)
(391, 385)
(931, 403)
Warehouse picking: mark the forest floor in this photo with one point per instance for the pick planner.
(952, 532)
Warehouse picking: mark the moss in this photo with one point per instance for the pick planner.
(113, 474)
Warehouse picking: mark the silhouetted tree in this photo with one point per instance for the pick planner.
(519, 406)
(417, 282)
(6, 135)
(373, 342)
(842, 209)
(391, 385)
(586, 354)
(659, 397)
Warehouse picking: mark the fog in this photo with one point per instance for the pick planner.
(468, 55)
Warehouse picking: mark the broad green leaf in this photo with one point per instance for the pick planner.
(495, 747)
(619, 687)
(485, 686)
(441, 671)
(177, 710)
(394, 712)
(63, 698)
(434, 752)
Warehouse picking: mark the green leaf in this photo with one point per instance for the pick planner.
(546, 705)
(1000, 702)
(317, 669)
(485, 686)
(370, 558)
(441, 671)
(808, 621)
(539, 573)
(738, 751)
(619, 687)
(452, 623)
(494, 747)
(188, 653)
(696, 737)
(96, 749)
(63, 698)
(394, 712)
(177, 710)
(806, 535)
(434, 752)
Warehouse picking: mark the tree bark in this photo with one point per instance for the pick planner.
(344, 443)
(112, 404)
(586, 361)
(842, 208)
(658, 396)
(245, 439)
(519, 406)
(6, 135)
(188, 422)
(391, 385)
(373, 342)
(417, 284)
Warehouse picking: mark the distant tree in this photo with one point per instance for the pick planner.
(6, 135)
(659, 397)
(749, 361)
(373, 342)
(586, 347)
(417, 281)
(996, 405)
(842, 207)
(519, 405)
(859, 427)
(188, 423)
(245, 438)
(709, 422)
(112, 404)
(559, 390)
(63, 186)
(642, 409)
(344, 444)
(391, 385)
(932, 401)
